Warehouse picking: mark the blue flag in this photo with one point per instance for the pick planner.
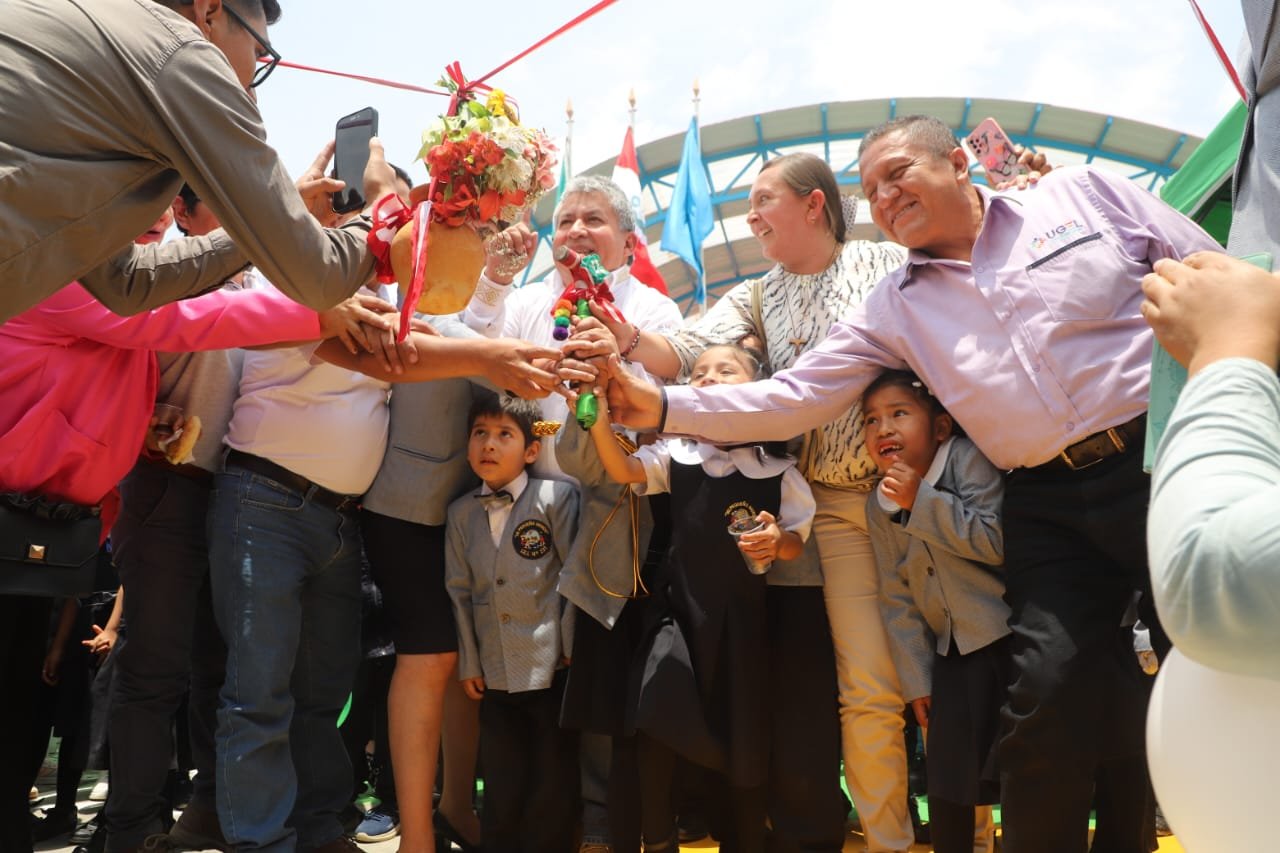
(689, 217)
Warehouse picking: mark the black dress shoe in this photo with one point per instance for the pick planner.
(447, 835)
(54, 823)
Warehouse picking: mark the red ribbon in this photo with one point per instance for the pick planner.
(377, 81)
(1222, 54)
(390, 214)
(421, 242)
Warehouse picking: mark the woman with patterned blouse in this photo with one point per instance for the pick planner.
(798, 217)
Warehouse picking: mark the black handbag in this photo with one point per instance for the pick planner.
(47, 548)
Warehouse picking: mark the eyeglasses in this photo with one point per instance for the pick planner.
(269, 61)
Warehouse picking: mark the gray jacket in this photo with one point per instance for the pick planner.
(513, 627)
(131, 101)
(611, 555)
(1255, 221)
(425, 466)
(941, 567)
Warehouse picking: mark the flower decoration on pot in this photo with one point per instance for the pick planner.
(486, 169)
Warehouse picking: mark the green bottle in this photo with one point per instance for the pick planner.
(588, 408)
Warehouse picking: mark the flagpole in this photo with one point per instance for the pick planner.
(568, 137)
(631, 113)
(702, 261)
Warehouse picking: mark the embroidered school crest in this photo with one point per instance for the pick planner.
(739, 511)
(532, 539)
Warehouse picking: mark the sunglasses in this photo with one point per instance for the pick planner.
(271, 58)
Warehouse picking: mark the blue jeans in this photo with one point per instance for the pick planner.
(285, 574)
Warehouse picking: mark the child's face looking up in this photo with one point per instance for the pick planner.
(899, 427)
(720, 366)
(496, 450)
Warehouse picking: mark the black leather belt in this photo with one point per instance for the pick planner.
(1101, 445)
(293, 482)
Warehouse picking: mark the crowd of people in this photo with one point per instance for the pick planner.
(885, 485)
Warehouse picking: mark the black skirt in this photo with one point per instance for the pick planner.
(964, 723)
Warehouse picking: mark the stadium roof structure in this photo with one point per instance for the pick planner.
(734, 150)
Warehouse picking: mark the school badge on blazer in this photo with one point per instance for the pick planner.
(739, 511)
(532, 539)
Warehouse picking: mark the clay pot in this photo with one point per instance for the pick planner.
(455, 257)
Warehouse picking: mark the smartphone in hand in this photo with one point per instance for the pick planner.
(994, 150)
(351, 155)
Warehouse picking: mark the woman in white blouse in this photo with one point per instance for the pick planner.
(798, 216)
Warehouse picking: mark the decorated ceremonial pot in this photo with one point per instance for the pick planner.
(486, 170)
(453, 263)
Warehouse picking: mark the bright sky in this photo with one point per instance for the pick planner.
(1140, 59)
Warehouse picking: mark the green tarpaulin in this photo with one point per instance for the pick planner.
(1202, 187)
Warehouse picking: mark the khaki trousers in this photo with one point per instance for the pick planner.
(871, 704)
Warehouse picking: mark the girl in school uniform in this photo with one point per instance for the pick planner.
(701, 687)
(935, 528)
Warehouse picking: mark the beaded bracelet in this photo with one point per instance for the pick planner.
(631, 347)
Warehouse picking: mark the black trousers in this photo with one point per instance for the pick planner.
(161, 552)
(805, 804)
(1075, 553)
(530, 768)
(24, 632)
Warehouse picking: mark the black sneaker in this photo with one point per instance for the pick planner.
(97, 842)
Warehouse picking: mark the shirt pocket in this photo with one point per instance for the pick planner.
(1079, 282)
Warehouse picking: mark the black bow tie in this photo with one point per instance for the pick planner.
(496, 500)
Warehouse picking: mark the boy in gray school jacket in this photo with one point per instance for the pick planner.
(505, 545)
(935, 526)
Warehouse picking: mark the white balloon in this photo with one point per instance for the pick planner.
(1214, 755)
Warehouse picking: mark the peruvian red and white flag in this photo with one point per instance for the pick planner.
(626, 174)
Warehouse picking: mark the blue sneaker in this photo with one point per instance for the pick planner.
(379, 824)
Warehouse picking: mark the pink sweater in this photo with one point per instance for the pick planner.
(78, 383)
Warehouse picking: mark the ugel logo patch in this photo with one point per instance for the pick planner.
(1061, 234)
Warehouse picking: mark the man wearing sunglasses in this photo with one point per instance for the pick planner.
(109, 105)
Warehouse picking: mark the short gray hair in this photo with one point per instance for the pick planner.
(596, 184)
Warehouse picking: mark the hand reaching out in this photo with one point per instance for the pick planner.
(1210, 306)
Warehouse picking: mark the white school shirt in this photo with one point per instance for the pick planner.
(498, 515)
(501, 310)
(796, 506)
(324, 422)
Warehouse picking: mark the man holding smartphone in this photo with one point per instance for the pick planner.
(1020, 312)
(135, 96)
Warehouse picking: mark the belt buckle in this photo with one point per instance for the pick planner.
(1117, 440)
(1112, 433)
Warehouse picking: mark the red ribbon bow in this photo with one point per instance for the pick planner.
(597, 293)
(390, 213)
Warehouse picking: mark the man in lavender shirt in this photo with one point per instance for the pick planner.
(1021, 313)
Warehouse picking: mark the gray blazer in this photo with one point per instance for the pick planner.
(612, 557)
(942, 567)
(1255, 220)
(513, 627)
(425, 466)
